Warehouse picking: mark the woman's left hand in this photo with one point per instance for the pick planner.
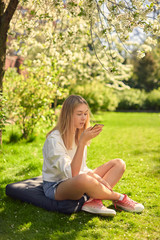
(101, 180)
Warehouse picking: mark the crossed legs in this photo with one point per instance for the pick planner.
(111, 171)
(75, 187)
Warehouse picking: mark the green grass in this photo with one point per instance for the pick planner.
(134, 137)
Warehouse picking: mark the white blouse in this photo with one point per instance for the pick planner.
(57, 159)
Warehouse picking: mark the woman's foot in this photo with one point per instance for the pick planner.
(128, 204)
(96, 206)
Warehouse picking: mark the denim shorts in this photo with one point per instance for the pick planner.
(49, 188)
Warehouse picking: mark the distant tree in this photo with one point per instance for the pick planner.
(145, 73)
(156, 55)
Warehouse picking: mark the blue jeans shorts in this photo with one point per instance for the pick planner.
(49, 188)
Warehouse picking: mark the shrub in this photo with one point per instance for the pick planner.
(14, 137)
(28, 99)
(131, 99)
(3, 119)
(153, 100)
(98, 96)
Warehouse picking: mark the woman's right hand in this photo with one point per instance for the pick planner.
(90, 133)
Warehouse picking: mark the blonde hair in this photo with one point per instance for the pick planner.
(65, 121)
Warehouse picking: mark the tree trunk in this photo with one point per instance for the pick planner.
(5, 18)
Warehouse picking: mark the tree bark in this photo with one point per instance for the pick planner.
(5, 18)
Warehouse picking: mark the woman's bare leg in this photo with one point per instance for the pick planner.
(75, 187)
(111, 171)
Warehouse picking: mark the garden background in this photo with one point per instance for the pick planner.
(64, 51)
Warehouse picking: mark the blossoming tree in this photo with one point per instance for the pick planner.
(56, 33)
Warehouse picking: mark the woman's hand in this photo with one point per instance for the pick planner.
(101, 180)
(90, 133)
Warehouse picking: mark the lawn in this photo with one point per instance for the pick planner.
(134, 137)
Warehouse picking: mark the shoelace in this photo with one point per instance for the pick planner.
(98, 201)
(128, 202)
(116, 207)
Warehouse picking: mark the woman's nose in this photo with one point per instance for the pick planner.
(83, 116)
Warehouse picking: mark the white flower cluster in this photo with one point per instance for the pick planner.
(67, 40)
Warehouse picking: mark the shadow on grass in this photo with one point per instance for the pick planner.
(24, 221)
(25, 170)
(20, 220)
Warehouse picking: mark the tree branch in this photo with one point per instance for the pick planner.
(7, 16)
(2, 7)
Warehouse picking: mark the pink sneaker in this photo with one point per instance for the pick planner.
(129, 205)
(96, 206)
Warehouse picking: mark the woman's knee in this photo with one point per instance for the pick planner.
(84, 180)
(120, 163)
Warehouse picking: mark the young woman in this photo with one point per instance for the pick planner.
(65, 173)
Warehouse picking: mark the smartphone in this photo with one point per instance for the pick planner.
(97, 124)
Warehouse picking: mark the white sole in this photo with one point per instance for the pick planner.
(107, 214)
(133, 211)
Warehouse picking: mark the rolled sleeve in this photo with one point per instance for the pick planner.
(62, 163)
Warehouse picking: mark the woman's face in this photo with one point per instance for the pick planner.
(80, 116)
